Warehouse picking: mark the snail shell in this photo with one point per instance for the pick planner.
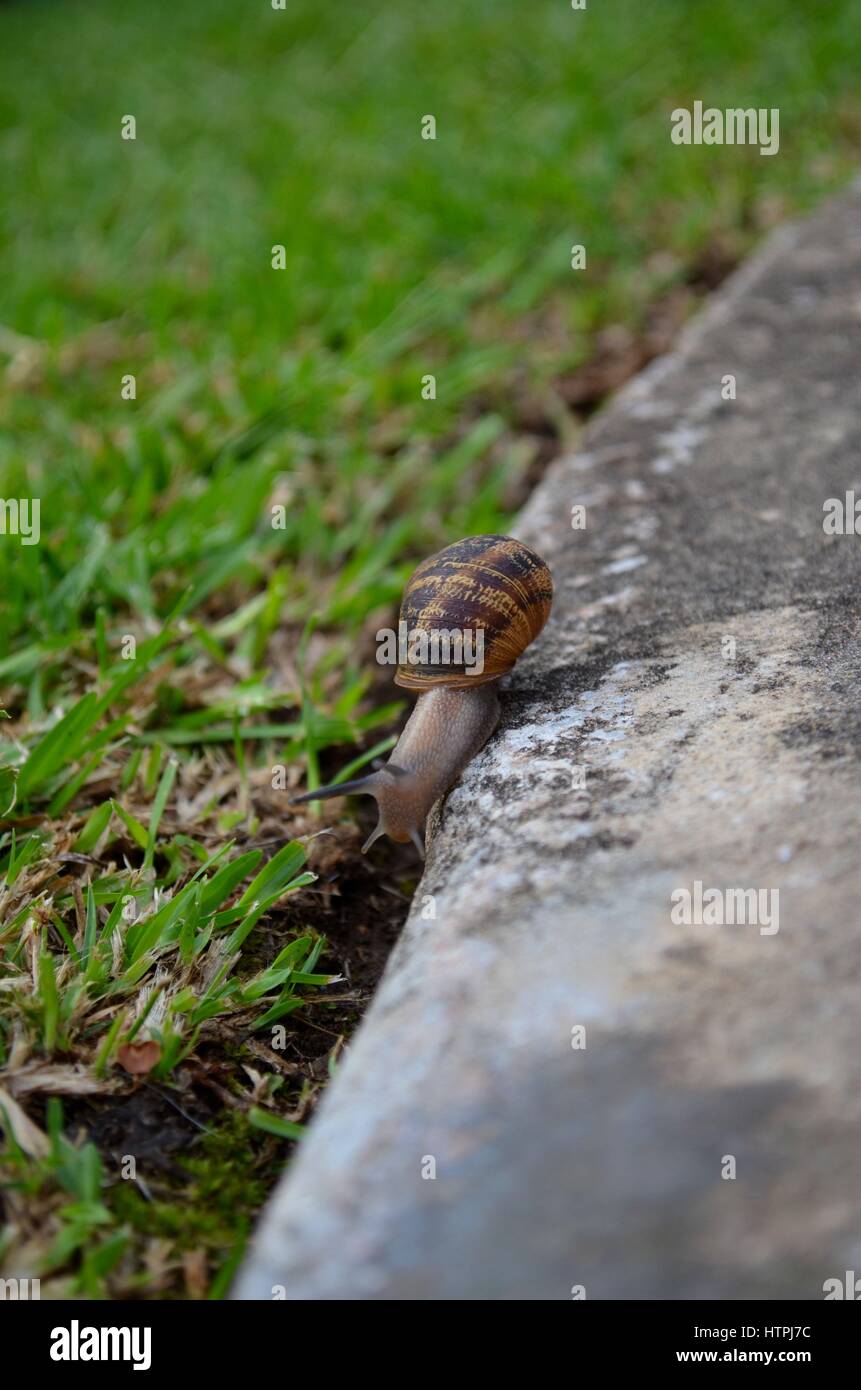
(492, 583)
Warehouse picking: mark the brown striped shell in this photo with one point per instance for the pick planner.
(492, 583)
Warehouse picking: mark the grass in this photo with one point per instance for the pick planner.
(193, 632)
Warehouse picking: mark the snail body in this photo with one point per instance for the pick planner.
(479, 603)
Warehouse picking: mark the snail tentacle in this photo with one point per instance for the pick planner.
(358, 784)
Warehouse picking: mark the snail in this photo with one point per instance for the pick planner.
(467, 614)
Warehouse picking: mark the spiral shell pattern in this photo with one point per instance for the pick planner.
(490, 583)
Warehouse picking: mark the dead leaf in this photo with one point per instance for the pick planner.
(158, 1262)
(195, 1272)
(58, 1080)
(29, 1136)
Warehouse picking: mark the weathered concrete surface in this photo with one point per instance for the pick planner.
(601, 1167)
